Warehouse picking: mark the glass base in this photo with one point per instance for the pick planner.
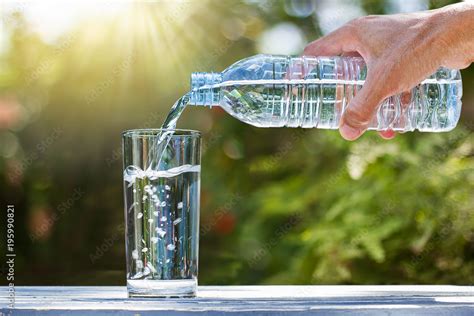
(162, 288)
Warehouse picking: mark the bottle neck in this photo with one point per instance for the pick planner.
(204, 89)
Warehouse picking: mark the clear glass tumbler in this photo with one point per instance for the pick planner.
(162, 188)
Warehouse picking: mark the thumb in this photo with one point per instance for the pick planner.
(361, 109)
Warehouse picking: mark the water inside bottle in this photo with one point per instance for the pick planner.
(431, 106)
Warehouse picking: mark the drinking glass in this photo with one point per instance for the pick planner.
(161, 189)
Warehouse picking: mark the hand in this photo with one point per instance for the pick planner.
(400, 51)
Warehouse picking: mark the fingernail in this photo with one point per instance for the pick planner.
(349, 132)
(388, 134)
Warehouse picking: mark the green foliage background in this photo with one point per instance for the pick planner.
(279, 206)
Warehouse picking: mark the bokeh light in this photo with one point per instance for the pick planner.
(397, 6)
(331, 14)
(283, 38)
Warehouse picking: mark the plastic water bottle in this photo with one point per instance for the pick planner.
(278, 91)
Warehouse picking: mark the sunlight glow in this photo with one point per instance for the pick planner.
(159, 30)
(51, 19)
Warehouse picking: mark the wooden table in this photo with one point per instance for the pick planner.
(247, 300)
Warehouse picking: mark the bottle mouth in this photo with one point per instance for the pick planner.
(203, 88)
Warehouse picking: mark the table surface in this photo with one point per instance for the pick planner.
(244, 300)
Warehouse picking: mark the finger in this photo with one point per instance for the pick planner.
(389, 134)
(405, 99)
(335, 43)
(361, 109)
(351, 54)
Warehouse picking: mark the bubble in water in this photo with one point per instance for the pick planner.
(168, 260)
(163, 204)
(177, 221)
(147, 188)
(170, 247)
(163, 219)
(180, 205)
(134, 190)
(155, 213)
(145, 249)
(154, 239)
(139, 215)
(161, 232)
(135, 254)
(167, 187)
(150, 220)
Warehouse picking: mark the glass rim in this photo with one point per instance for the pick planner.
(153, 132)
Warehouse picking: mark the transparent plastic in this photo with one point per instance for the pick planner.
(278, 91)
